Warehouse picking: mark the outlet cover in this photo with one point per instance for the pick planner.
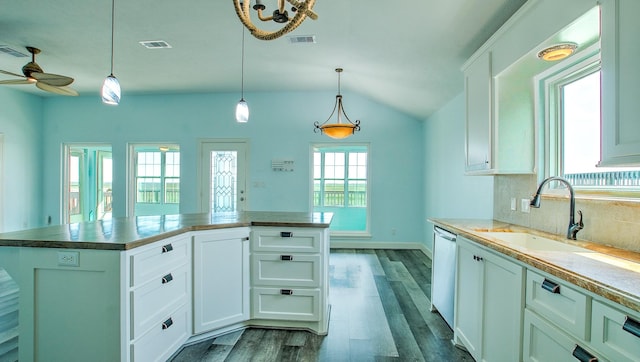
(68, 258)
(513, 204)
(524, 205)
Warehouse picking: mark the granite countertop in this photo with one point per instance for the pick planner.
(606, 271)
(128, 233)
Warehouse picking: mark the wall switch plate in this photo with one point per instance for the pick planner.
(68, 258)
(513, 204)
(524, 205)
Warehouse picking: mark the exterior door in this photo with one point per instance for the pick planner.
(223, 185)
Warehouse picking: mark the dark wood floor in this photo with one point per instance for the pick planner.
(380, 312)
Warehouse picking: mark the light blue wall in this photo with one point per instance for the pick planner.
(448, 192)
(280, 127)
(21, 184)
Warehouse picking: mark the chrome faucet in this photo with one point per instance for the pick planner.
(573, 226)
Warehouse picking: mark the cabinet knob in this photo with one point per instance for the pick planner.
(168, 323)
(550, 286)
(167, 248)
(286, 257)
(582, 355)
(632, 326)
(286, 291)
(167, 278)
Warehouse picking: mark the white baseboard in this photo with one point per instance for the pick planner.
(380, 245)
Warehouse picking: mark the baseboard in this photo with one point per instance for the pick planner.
(379, 245)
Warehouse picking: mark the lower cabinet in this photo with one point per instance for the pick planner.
(220, 278)
(489, 300)
(615, 332)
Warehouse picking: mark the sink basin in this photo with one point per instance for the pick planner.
(533, 242)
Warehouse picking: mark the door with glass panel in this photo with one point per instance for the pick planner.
(223, 184)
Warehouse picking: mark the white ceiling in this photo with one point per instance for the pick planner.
(404, 54)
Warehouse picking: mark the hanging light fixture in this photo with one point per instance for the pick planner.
(337, 130)
(242, 108)
(301, 8)
(111, 87)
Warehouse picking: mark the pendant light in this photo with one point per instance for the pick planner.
(301, 9)
(242, 108)
(111, 87)
(338, 130)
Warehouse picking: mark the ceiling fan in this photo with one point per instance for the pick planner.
(49, 82)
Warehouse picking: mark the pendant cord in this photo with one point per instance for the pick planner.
(113, 10)
(242, 68)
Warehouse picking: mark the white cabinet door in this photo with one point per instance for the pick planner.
(489, 301)
(220, 278)
(620, 51)
(478, 91)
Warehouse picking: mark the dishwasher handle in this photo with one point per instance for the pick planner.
(444, 234)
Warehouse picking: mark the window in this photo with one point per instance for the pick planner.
(340, 185)
(156, 184)
(572, 128)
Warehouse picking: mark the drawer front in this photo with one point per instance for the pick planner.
(152, 301)
(291, 270)
(610, 336)
(164, 338)
(563, 305)
(275, 303)
(291, 240)
(157, 259)
(545, 342)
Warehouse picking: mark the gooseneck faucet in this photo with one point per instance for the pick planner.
(573, 226)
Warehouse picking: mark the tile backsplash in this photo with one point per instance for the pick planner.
(611, 222)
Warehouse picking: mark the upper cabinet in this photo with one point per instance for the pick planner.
(500, 124)
(620, 51)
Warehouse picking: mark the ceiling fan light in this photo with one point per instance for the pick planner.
(242, 111)
(111, 90)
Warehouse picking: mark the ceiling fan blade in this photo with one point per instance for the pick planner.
(55, 80)
(18, 81)
(65, 91)
(13, 74)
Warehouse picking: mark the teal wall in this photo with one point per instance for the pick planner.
(280, 127)
(448, 192)
(21, 184)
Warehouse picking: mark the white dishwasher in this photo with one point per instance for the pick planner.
(443, 273)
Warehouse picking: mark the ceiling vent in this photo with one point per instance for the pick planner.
(155, 44)
(9, 51)
(302, 39)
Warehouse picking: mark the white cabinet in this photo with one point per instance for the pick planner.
(620, 51)
(489, 301)
(289, 277)
(220, 278)
(479, 118)
(158, 298)
(615, 332)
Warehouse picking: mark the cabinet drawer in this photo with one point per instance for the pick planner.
(291, 270)
(158, 258)
(609, 335)
(565, 306)
(288, 240)
(152, 301)
(545, 342)
(275, 303)
(164, 338)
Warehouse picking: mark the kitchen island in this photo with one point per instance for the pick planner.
(138, 288)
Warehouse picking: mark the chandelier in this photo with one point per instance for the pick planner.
(301, 9)
(337, 130)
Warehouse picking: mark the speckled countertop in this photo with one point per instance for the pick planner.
(128, 233)
(608, 272)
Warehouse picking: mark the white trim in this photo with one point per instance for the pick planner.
(1, 182)
(381, 245)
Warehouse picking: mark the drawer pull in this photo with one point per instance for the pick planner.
(286, 257)
(167, 248)
(582, 355)
(286, 291)
(632, 326)
(167, 278)
(286, 234)
(168, 323)
(550, 286)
